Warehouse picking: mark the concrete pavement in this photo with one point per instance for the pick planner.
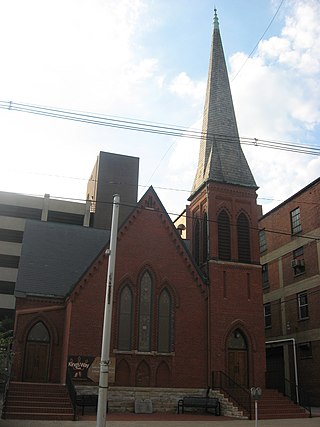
(212, 422)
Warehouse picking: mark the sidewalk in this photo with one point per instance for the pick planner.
(155, 420)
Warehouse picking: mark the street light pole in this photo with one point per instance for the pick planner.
(106, 334)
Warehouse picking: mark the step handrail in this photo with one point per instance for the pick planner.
(238, 393)
(290, 390)
(72, 393)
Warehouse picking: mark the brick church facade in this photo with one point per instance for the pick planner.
(183, 308)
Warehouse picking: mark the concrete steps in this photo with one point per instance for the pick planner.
(274, 405)
(35, 401)
(51, 401)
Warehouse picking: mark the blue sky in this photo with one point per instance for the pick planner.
(148, 60)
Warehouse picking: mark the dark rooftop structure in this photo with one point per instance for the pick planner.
(55, 256)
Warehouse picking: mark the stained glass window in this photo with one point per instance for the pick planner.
(145, 312)
(125, 319)
(164, 331)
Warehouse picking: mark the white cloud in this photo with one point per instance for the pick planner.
(185, 87)
(276, 97)
(86, 55)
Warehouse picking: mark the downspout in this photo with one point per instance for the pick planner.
(294, 361)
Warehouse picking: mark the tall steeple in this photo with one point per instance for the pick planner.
(220, 158)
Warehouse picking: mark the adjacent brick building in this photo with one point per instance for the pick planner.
(290, 253)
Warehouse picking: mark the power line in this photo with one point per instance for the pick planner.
(257, 44)
(184, 215)
(156, 187)
(159, 129)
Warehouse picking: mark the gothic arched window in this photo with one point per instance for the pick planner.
(243, 231)
(196, 241)
(125, 319)
(164, 322)
(39, 333)
(145, 312)
(224, 236)
(205, 238)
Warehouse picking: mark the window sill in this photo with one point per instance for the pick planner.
(143, 353)
(299, 274)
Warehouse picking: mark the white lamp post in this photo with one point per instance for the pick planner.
(106, 334)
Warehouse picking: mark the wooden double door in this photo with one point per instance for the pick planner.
(238, 366)
(237, 349)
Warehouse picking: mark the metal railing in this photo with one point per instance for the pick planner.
(72, 393)
(240, 395)
(291, 390)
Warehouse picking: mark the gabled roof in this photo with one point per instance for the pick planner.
(220, 158)
(55, 256)
(150, 201)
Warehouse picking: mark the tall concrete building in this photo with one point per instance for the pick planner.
(112, 174)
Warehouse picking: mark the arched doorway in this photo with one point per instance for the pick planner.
(37, 354)
(238, 358)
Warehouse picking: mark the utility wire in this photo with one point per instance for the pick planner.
(168, 130)
(129, 184)
(257, 44)
(138, 206)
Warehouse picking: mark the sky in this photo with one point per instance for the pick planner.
(147, 60)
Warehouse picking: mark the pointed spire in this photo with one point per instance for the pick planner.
(215, 20)
(220, 158)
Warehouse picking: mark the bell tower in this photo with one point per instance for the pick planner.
(222, 226)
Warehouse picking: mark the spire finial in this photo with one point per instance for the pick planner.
(215, 20)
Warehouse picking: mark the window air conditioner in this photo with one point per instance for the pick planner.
(297, 263)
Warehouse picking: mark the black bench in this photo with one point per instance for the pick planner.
(207, 403)
(87, 400)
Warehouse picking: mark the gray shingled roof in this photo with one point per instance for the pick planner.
(55, 256)
(220, 158)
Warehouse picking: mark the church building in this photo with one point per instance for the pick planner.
(187, 312)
